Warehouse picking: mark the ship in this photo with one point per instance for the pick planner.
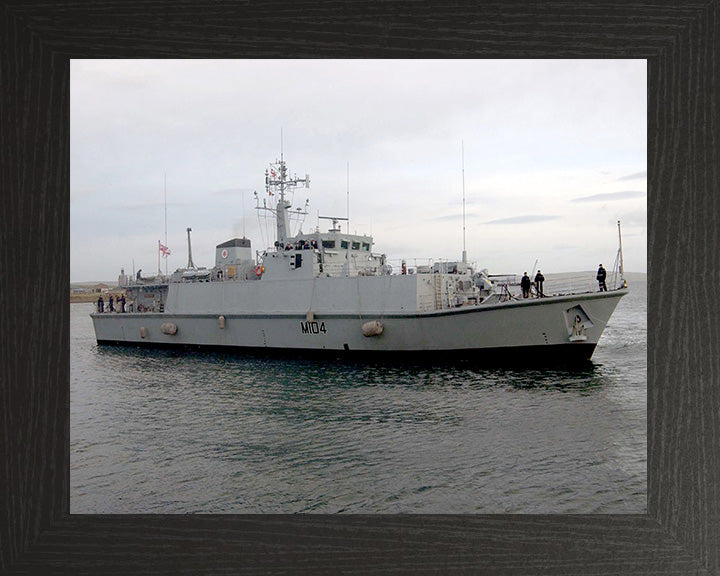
(331, 293)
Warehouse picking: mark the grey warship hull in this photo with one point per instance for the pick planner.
(524, 330)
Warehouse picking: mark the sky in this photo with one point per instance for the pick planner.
(548, 154)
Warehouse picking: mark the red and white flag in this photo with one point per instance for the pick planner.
(163, 249)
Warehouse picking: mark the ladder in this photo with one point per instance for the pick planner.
(438, 291)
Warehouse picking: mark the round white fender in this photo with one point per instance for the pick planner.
(373, 328)
(169, 328)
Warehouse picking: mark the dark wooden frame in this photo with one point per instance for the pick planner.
(680, 534)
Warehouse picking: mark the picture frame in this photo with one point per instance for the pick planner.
(680, 534)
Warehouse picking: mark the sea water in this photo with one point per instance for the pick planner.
(158, 431)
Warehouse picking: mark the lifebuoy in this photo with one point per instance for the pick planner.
(259, 270)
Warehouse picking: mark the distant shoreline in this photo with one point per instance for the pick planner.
(79, 298)
(84, 297)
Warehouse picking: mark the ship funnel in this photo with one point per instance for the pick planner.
(190, 264)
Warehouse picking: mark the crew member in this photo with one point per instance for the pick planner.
(525, 285)
(138, 274)
(101, 304)
(122, 303)
(110, 301)
(601, 275)
(539, 279)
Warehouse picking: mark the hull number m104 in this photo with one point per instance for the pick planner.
(313, 327)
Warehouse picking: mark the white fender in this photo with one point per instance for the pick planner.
(169, 328)
(373, 328)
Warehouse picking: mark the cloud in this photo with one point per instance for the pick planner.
(233, 191)
(637, 218)
(635, 176)
(78, 193)
(523, 219)
(611, 196)
(453, 217)
(145, 205)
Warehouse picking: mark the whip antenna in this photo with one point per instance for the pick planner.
(464, 252)
(166, 243)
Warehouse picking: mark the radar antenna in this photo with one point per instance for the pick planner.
(335, 220)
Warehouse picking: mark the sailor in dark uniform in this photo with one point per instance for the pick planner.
(525, 285)
(111, 304)
(601, 275)
(101, 304)
(539, 279)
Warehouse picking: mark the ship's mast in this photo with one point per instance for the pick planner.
(464, 252)
(277, 183)
(166, 242)
(620, 255)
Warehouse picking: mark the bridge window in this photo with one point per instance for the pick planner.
(366, 247)
(328, 243)
(356, 245)
(343, 244)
